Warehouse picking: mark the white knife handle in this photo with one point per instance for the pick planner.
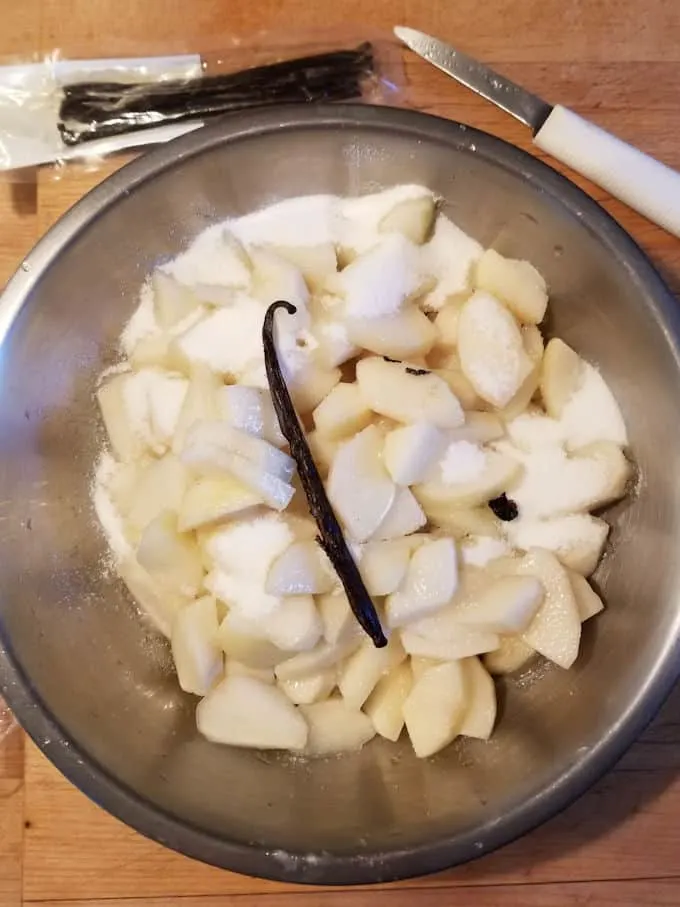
(628, 174)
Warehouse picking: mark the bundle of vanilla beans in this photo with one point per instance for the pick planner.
(94, 110)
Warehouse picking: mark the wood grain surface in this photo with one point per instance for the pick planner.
(614, 61)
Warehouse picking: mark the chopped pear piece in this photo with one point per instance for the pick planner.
(310, 385)
(378, 282)
(507, 606)
(460, 522)
(205, 441)
(491, 351)
(236, 669)
(419, 665)
(383, 565)
(562, 372)
(302, 569)
(161, 486)
(448, 257)
(403, 335)
(412, 217)
(213, 498)
(516, 282)
(323, 450)
(335, 727)
(172, 555)
(295, 626)
(200, 402)
(359, 488)
(431, 581)
(159, 600)
(479, 428)
(588, 602)
(325, 655)
(250, 409)
(522, 398)
(386, 703)
(153, 351)
(310, 689)
(198, 658)
(330, 333)
(614, 469)
(126, 442)
(533, 342)
(275, 278)
(577, 539)
(245, 648)
(435, 708)
(480, 715)
(315, 263)
(465, 642)
(499, 474)
(365, 668)
(243, 711)
(480, 550)
(391, 390)
(446, 323)
(342, 413)
(339, 624)
(555, 631)
(412, 450)
(172, 300)
(404, 517)
(511, 655)
(451, 373)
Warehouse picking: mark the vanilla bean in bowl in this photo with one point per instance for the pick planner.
(331, 537)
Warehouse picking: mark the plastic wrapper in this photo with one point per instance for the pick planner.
(57, 110)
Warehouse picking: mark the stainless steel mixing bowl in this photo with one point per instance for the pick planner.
(95, 688)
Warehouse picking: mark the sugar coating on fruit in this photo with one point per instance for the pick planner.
(478, 551)
(449, 257)
(491, 349)
(379, 282)
(243, 552)
(462, 462)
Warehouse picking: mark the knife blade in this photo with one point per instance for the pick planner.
(635, 178)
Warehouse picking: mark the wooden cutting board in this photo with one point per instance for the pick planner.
(614, 61)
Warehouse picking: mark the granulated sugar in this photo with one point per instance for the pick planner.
(592, 414)
(554, 483)
(307, 221)
(462, 462)
(243, 552)
(153, 400)
(491, 349)
(449, 257)
(229, 339)
(107, 513)
(479, 550)
(357, 226)
(379, 282)
(212, 258)
(142, 323)
(562, 534)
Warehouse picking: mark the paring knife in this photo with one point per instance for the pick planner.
(628, 174)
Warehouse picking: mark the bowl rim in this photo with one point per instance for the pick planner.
(367, 867)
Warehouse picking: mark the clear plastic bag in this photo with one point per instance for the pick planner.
(58, 110)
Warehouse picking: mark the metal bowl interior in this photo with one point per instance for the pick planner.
(95, 687)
